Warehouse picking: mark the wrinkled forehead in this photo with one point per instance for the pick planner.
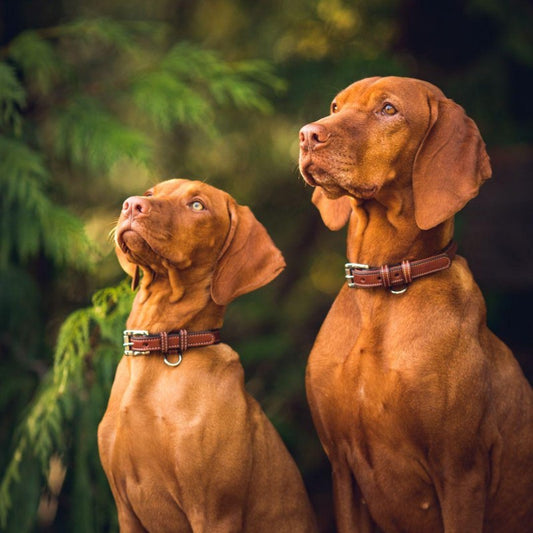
(369, 90)
(188, 188)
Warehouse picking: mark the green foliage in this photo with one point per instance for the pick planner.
(29, 220)
(89, 136)
(75, 101)
(12, 98)
(37, 60)
(96, 109)
(188, 83)
(89, 338)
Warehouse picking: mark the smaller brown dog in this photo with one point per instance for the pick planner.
(187, 449)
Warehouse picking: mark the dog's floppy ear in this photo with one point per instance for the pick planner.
(450, 166)
(248, 260)
(335, 212)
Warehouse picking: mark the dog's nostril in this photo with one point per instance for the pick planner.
(313, 135)
(136, 205)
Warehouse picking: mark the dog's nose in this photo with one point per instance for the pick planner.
(313, 136)
(136, 205)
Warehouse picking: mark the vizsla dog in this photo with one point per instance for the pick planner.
(184, 447)
(424, 414)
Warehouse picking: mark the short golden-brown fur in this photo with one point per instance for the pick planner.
(187, 449)
(424, 414)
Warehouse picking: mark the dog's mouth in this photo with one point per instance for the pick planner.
(334, 185)
(313, 174)
(307, 176)
(132, 243)
(365, 193)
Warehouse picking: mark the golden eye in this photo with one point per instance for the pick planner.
(148, 193)
(197, 205)
(334, 107)
(389, 109)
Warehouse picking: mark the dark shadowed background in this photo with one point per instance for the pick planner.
(101, 99)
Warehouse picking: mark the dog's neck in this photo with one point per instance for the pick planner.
(175, 300)
(383, 231)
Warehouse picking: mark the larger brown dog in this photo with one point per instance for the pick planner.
(425, 415)
(186, 448)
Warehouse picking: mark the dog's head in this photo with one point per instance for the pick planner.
(182, 225)
(395, 132)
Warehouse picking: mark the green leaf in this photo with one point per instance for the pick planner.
(109, 32)
(167, 101)
(88, 136)
(12, 98)
(29, 221)
(43, 430)
(37, 59)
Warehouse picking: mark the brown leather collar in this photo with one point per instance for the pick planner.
(397, 277)
(139, 342)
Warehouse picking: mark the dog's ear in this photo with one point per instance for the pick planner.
(450, 166)
(130, 268)
(335, 212)
(248, 260)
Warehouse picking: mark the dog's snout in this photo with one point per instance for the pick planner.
(313, 136)
(136, 205)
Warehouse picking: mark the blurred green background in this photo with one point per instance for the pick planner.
(99, 100)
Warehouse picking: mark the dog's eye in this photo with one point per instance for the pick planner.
(389, 109)
(148, 193)
(334, 107)
(197, 205)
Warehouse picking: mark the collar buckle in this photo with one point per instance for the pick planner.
(128, 343)
(348, 267)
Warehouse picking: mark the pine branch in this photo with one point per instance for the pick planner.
(38, 60)
(168, 101)
(12, 99)
(89, 136)
(42, 432)
(29, 221)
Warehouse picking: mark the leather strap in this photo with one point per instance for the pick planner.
(401, 274)
(140, 343)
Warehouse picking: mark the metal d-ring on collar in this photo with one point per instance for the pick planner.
(167, 362)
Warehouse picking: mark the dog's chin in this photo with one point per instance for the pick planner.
(316, 177)
(336, 186)
(131, 242)
(137, 249)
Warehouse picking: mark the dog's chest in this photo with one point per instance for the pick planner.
(369, 420)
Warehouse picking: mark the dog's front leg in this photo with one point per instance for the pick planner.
(351, 511)
(462, 499)
(127, 520)
(230, 521)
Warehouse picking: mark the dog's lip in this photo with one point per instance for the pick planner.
(137, 246)
(330, 183)
(122, 236)
(305, 163)
(366, 192)
(121, 241)
(308, 177)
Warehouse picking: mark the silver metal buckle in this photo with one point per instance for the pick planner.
(348, 270)
(128, 342)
